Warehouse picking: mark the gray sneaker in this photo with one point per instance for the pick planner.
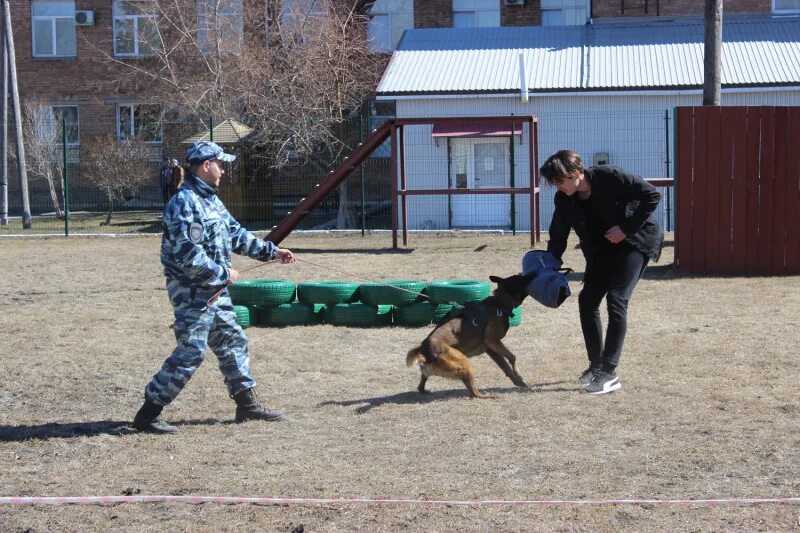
(603, 383)
(588, 375)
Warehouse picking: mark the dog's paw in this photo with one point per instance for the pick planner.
(484, 396)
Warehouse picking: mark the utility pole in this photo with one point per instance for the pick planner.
(23, 173)
(4, 128)
(712, 57)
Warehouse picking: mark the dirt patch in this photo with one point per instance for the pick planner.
(708, 408)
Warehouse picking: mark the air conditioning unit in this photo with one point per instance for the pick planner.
(514, 2)
(84, 18)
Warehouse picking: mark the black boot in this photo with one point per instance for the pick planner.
(248, 408)
(148, 419)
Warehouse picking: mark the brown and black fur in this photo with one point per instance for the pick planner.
(446, 351)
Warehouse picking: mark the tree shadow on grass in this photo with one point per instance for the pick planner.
(414, 397)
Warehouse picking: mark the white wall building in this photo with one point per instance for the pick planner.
(606, 90)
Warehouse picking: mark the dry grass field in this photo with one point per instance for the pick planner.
(710, 404)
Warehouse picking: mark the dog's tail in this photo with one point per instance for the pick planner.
(415, 356)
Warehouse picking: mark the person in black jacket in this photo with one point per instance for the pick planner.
(611, 212)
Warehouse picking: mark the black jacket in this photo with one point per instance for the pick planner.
(618, 199)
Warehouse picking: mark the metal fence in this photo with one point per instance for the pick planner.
(255, 192)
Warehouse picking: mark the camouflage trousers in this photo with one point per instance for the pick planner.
(197, 327)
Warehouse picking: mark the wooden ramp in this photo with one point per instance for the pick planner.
(329, 184)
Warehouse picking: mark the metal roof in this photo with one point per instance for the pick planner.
(228, 131)
(664, 54)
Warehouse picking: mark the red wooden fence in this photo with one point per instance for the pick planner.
(738, 190)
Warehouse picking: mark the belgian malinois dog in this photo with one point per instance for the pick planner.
(477, 328)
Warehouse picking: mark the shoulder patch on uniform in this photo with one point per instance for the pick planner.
(196, 232)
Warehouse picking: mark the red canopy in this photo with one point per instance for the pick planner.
(476, 128)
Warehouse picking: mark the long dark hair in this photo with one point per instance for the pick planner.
(560, 165)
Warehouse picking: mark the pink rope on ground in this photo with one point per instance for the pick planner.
(61, 500)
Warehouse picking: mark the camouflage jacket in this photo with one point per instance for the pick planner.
(200, 234)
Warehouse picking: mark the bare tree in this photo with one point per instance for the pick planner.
(295, 74)
(117, 167)
(42, 132)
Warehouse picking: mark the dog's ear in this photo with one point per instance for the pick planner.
(496, 279)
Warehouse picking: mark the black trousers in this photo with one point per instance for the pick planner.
(613, 272)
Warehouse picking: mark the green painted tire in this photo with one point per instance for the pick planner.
(516, 320)
(262, 292)
(358, 315)
(327, 292)
(293, 314)
(457, 290)
(414, 315)
(242, 315)
(441, 312)
(391, 292)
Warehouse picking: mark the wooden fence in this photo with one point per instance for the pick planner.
(738, 190)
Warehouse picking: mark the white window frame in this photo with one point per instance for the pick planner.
(76, 143)
(227, 15)
(777, 11)
(476, 10)
(312, 8)
(380, 41)
(305, 8)
(394, 13)
(117, 17)
(492, 210)
(307, 12)
(131, 112)
(569, 10)
(553, 11)
(47, 128)
(53, 29)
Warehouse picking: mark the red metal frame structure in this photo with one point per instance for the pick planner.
(403, 192)
(394, 129)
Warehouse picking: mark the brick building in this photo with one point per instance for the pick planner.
(68, 51)
(67, 54)
(674, 8)
(394, 16)
(75, 55)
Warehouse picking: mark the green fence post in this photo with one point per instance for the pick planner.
(66, 179)
(361, 167)
(513, 183)
(668, 192)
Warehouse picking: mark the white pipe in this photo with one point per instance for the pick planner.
(523, 80)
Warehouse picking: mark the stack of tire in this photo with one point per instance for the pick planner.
(406, 303)
(269, 302)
